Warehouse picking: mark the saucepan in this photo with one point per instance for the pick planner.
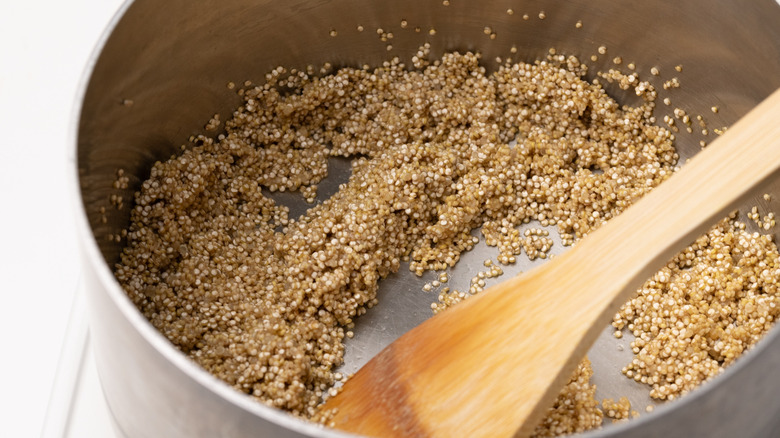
(161, 72)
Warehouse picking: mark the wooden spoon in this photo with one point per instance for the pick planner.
(493, 364)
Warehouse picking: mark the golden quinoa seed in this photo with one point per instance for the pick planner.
(617, 410)
(120, 183)
(214, 123)
(766, 222)
(671, 83)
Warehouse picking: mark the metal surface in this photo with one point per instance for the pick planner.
(162, 72)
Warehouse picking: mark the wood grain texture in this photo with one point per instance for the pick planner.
(491, 365)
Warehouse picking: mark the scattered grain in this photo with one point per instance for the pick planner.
(671, 83)
(618, 410)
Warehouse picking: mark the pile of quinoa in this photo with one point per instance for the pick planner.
(440, 147)
(694, 317)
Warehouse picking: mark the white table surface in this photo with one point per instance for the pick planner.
(44, 48)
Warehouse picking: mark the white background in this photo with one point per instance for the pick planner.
(44, 48)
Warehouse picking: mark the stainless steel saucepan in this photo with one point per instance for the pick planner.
(161, 71)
